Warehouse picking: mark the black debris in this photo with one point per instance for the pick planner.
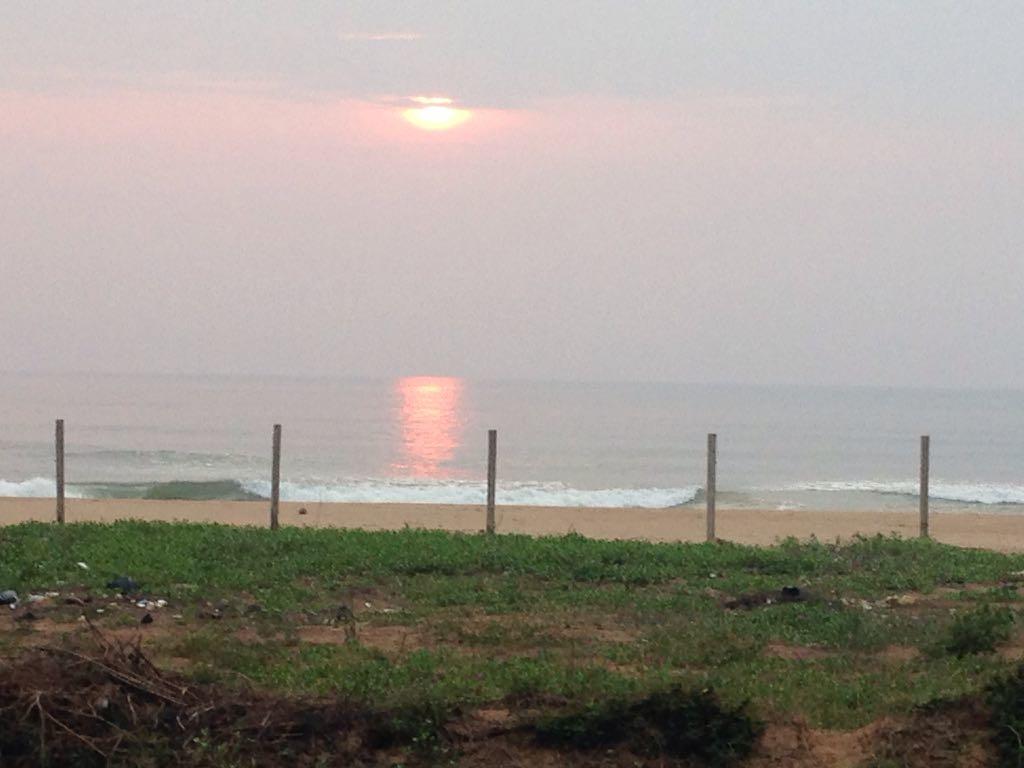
(123, 584)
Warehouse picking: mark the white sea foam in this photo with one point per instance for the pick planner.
(967, 493)
(36, 488)
(464, 492)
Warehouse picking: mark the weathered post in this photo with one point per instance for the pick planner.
(59, 453)
(923, 491)
(492, 473)
(709, 491)
(275, 478)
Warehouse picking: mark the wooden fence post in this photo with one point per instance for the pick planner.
(923, 490)
(275, 478)
(709, 490)
(59, 452)
(492, 473)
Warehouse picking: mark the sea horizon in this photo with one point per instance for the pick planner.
(553, 380)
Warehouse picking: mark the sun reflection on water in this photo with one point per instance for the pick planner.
(429, 411)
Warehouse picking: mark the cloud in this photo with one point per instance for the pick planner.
(66, 80)
(381, 37)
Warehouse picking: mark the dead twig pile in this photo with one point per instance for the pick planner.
(106, 704)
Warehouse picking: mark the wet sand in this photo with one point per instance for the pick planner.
(748, 526)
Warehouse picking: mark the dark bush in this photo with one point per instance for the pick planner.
(1005, 699)
(674, 723)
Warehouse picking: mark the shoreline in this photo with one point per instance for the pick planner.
(762, 527)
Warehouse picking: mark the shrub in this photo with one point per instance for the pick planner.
(979, 631)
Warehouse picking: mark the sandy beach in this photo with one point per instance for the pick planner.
(747, 526)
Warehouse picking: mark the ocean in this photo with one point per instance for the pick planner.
(424, 439)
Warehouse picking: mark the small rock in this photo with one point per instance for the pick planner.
(123, 584)
(161, 603)
(52, 594)
(35, 599)
(8, 597)
(83, 566)
(100, 610)
(896, 600)
(147, 619)
(26, 616)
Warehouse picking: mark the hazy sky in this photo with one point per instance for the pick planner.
(761, 191)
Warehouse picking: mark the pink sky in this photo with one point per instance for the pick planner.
(167, 209)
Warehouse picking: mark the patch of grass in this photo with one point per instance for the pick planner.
(168, 557)
(845, 692)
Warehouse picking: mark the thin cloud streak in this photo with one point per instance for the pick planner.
(65, 82)
(431, 100)
(382, 37)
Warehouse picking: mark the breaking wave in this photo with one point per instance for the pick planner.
(965, 493)
(367, 491)
(465, 492)
(36, 488)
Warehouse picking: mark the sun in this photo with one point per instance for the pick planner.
(435, 113)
